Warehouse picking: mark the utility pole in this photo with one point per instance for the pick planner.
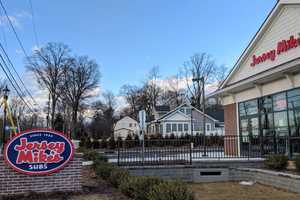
(5, 98)
(198, 80)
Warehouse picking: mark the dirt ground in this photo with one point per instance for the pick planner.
(235, 191)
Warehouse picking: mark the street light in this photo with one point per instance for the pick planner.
(5, 98)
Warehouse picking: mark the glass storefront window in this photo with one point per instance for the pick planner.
(294, 99)
(248, 108)
(265, 104)
(294, 121)
(279, 102)
(279, 115)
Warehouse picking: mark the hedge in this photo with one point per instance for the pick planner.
(276, 162)
(297, 162)
(139, 188)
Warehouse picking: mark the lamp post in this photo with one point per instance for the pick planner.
(5, 98)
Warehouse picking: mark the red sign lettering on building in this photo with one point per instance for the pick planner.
(282, 47)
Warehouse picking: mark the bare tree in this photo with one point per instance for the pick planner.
(2, 86)
(199, 65)
(175, 92)
(152, 88)
(221, 74)
(47, 65)
(81, 78)
(132, 96)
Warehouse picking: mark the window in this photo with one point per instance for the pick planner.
(208, 127)
(174, 127)
(294, 99)
(161, 128)
(266, 105)
(279, 102)
(130, 124)
(180, 129)
(188, 111)
(248, 108)
(186, 127)
(168, 126)
(182, 110)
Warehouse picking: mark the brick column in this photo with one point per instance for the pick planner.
(231, 133)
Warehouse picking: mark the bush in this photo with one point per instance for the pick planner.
(112, 143)
(88, 143)
(82, 142)
(96, 144)
(117, 176)
(138, 187)
(175, 190)
(297, 162)
(277, 162)
(103, 143)
(104, 170)
(93, 155)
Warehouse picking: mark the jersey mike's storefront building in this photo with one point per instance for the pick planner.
(261, 95)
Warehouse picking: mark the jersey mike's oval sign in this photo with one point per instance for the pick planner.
(38, 152)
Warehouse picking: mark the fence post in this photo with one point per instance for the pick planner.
(249, 147)
(118, 152)
(191, 149)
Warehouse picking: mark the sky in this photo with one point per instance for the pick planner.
(128, 37)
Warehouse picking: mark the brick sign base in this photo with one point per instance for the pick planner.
(66, 180)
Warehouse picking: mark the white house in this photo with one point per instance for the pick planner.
(178, 122)
(126, 126)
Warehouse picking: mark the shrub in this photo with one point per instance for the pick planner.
(82, 142)
(127, 187)
(117, 176)
(172, 190)
(138, 187)
(112, 143)
(104, 170)
(277, 162)
(96, 144)
(93, 155)
(103, 143)
(297, 162)
(88, 143)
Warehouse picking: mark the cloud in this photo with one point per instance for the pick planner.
(120, 103)
(35, 48)
(16, 19)
(181, 84)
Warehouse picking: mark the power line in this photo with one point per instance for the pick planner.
(13, 28)
(22, 47)
(33, 24)
(12, 77)
(15, 88)
(3, 32)
(12, 66)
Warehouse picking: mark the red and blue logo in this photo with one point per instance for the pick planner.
(39, 152)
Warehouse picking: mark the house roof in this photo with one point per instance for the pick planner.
(162, 108)
(185, 104)
(217, 114)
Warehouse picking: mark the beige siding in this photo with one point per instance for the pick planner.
(286, 23)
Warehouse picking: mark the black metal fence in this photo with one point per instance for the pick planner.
(186, 151)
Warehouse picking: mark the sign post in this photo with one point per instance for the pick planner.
(142, 120)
